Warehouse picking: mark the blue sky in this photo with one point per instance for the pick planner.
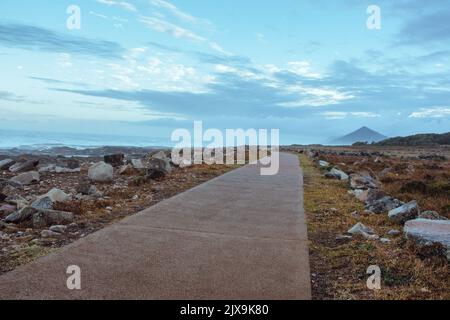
(310, 68)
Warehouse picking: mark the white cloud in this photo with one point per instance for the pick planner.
(170, 28)
(123, 4)
(302, 68)
(431, 112)
(339, 115)
(172, 8)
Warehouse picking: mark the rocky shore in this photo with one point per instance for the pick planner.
(49, 200)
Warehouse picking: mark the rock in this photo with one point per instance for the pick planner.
(49, 234)
(6, 210)
(185, 163)
(73, 164)
(155, 174)
(58, 228)
(362, 181)
(393, 233)
(17, 201)
(339, 173)
(368, 195)
(57, 195)
(101, 172)
(424, 231)
(137, 164)
(160, 165)
(45, 218)
(21, 215)
(431, 215)
(115, 160)
(26, 178)
(24, 166)
(404, 213)
(385, 240)
(385, 172)
(127, 170)
(323, 163)
(6, 164)
(361, 229)
(384, 204)
(159, 155)
(43, 203)
(83, 187)
(57, 169)
(3, 197)
(329, 175)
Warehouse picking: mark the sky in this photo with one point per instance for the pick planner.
(143, 68)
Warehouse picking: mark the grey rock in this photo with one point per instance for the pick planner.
(424, 231)
(6, 210)
(101, 172)
(339, 173)
(137, 164)
(363, 181)
(49, 234)
(26, 178)
(17, 201)
(58, 228)
(21, 215)
(6, 164)
(431, 215)
(45, 218)
(368, 195)
(384, 204)
(385, 240)
(43, 203)
(160, 165)
(323, 163)
(393, 233)
(24, 166)
(127, 170)
(361, 229)
(404, 213)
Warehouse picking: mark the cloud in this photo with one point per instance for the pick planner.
(163, 26)
(339, 115)
(123, 4)
(426, 29)
(172, 8)
(35, 38)
(431, 112)
(9, 96)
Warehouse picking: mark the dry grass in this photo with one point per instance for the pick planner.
(339, 267)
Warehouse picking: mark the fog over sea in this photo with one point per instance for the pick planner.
(33, 140)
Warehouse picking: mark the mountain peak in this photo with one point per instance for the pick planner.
(363, 134)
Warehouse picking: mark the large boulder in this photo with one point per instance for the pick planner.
(116, 160)
(137, 164)
(362, 181)
(46, 218)
(425, 231)
(384, 204)
(338, 174)
(368, 195)
(6, 164)
(160, 165)
(404, 213)
(21, 215)
(48, 200)
(24, 166)
(101, 172)
(26, 178)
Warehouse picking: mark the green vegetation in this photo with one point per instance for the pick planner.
(418, 140)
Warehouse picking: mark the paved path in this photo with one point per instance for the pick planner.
(239, 236)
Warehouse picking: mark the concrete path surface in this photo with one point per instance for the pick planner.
(239, 236)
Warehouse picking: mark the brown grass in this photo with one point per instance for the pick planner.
(339, 267)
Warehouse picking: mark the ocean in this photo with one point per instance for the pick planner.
(33, 140)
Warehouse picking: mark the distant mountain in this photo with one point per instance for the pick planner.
(363, 134)
(418, 140)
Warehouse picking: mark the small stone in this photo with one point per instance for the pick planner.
(114, 160)
(6, 164)
(49, 234)
(58, 228)
(323, 163)
(21, 215)
(385, 240)
(26, 178)
(394, 233)
(24, 166)
(431, 215)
